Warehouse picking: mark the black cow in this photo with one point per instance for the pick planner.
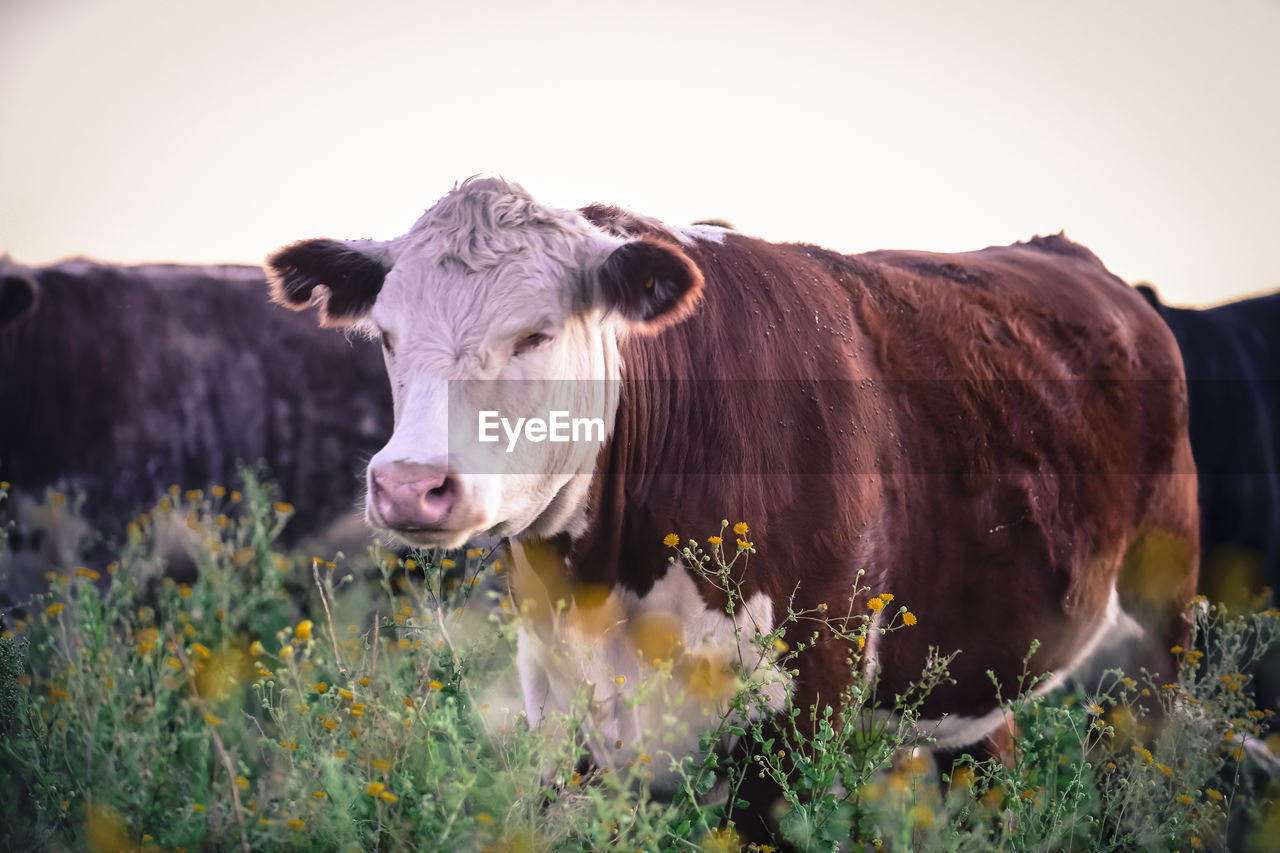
(117, 381)
(1232, 358)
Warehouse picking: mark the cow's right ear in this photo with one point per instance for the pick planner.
(351, 273)
(19, 295)
(1149, 293)
(650, 282)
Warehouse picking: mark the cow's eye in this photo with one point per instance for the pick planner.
(386, 343)
(528, 342)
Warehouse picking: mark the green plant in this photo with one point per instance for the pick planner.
(366, 703)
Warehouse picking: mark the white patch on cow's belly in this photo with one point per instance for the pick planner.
(634, 708)
(953, 730)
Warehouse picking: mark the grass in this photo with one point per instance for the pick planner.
(285, 702)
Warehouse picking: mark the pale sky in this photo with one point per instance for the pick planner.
(160, 130)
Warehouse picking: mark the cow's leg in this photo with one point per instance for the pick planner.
(1158, 574)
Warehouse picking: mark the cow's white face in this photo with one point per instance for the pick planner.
(491, 307)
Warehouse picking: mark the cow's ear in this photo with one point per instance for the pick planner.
(651, 283)
(352, 273)
(19, 295)
(1149, 293)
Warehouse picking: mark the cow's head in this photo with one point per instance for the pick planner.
(490, 303)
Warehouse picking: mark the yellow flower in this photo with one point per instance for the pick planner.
(1144, 752)
(620, 679)
(1185, 800)
(201, 649)
(243, 783)
(908, 619)
(55, 609)
(365, 682)
(320, 687)
(303, 631)
(876, 604)
(435, 685)
(286, 650)
(294, 823)
(715, 540)
(741, 528)
(447, 564)
(212, 719)
(388, 796)
(87, 573)
(887, 596)
(381, 764)
(283, 508)
(1165, 769)
(375, 788)
(173, 663)
(319, 795)
(197, 807)
(481, 817)
(671, 540)
(1213, 793)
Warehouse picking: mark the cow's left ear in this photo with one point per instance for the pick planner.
(352, 273)
(19, 294)
(651, 283)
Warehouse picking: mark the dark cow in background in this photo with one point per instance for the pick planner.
(118, 381)
(1232, 357)
(996, 437)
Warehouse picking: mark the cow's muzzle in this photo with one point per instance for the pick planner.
(410, 497)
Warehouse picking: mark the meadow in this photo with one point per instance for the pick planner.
(370, 702)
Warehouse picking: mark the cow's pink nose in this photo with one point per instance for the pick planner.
(411, 495)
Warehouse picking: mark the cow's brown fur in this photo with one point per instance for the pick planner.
(1006, 430)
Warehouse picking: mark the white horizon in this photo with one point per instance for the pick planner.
(146, 131)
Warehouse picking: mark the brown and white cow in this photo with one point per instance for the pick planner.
(996, 437)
